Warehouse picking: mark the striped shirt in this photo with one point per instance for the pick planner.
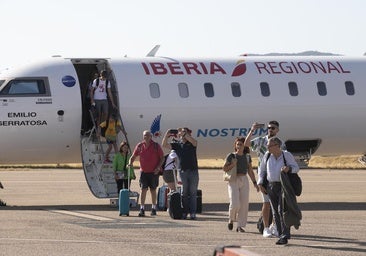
(259, 145)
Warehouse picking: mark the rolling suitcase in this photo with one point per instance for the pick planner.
(199, 201)
(162, 197)
(175, 202)
(124, 202)
(124, 199)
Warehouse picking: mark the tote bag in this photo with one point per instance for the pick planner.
(231, 174)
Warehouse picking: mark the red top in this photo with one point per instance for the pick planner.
(149, 156)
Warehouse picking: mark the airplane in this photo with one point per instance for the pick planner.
(318, 101)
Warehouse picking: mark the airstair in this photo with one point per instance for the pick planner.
(98, 173)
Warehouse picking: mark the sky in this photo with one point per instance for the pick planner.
(37, 29)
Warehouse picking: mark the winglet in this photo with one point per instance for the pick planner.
(153, 51)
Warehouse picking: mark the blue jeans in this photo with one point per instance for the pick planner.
(190, 180)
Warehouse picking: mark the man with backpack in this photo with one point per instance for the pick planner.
(271, 169)
(151, 158)
(101, 90)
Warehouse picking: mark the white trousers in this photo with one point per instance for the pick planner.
(239, 200)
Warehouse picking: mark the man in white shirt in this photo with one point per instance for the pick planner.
(278, 161)
(259, 145)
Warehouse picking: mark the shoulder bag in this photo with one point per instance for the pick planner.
(231, 174)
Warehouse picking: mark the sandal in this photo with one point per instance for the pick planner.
(240, 230)
(230, 226)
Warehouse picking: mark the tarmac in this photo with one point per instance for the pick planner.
(52, 212)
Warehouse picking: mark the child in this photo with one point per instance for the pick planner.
(112, 128)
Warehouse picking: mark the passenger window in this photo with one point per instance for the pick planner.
(235, 89)
(265, 89)
(292, 87)
(350, 88)
(183, 90)
(209, 91)
(154, 90)
(322, 89)
(26, 88)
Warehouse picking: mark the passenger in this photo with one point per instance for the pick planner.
(2, 203)
(185, 148)
(278, 161)
(87, 118)
(151, 158)
(121, 171)
(238, 186)
(259, 146)
(169, 168)
(113, 126)
(98, 96)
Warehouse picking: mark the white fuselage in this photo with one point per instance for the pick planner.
(196, 93)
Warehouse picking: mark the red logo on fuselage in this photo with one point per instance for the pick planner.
(240, 68)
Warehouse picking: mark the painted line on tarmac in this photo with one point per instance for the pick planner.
(82, 215)
(100, 218)
(159, 243)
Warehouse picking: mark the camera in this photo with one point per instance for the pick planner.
(173, 131)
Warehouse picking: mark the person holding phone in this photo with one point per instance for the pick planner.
(185, 146)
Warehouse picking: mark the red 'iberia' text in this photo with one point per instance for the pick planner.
(182, 68)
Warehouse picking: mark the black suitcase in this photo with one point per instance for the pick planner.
(175, 201)
(199, 201)
(175, 205)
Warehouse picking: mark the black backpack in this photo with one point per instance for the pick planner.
(106, 83)
(164, 163)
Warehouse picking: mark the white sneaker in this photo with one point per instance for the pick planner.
(267, 232)
(273, 230)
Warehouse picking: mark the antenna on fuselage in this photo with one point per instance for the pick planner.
(153, 51)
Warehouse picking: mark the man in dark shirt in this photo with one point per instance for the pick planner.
(185, 148)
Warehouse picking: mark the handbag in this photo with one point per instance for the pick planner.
(296, 183)
(231, 174)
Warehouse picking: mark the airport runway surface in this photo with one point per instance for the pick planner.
(52, 212)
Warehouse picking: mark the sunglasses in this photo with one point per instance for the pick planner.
(269, 146)
(271, 127)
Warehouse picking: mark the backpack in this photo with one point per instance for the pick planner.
(164, 163)
(106, 82)
(260, 224)
(104, 129)
(294, 178)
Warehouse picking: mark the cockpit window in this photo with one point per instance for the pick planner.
(26, 88)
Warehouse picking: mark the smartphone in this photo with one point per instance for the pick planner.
(173, 131)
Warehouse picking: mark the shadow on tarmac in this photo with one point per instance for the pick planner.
(354, 245)
(208, 207)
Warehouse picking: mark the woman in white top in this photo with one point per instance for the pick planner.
(169, 168)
